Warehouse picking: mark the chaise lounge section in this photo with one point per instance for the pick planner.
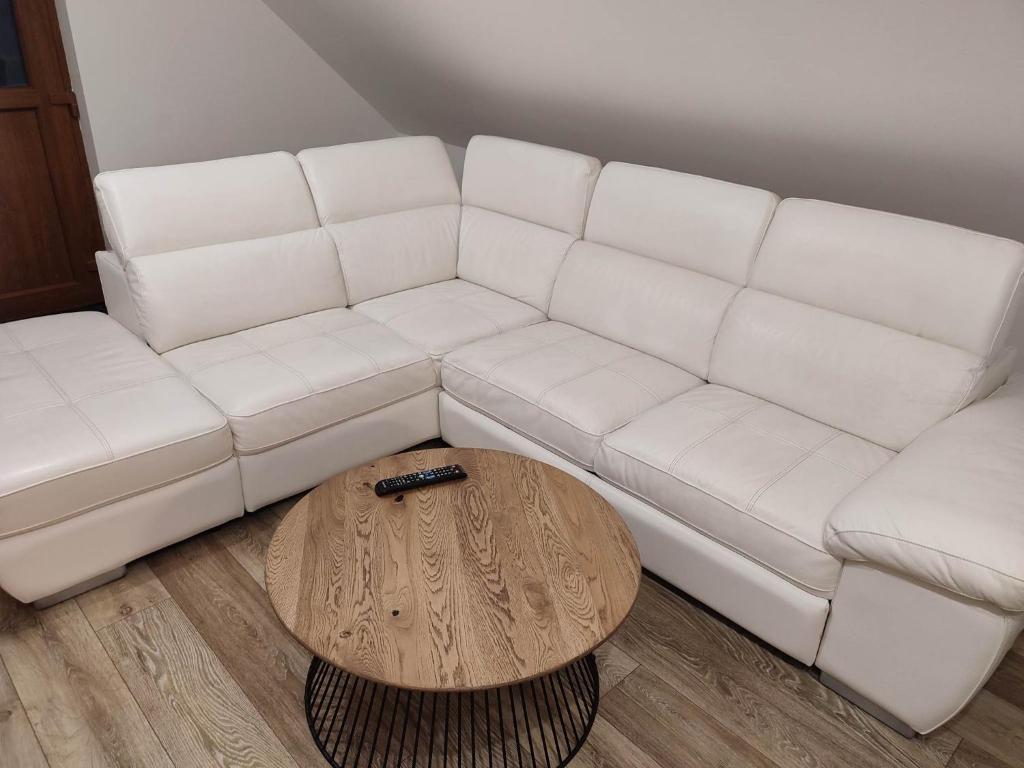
(798, 407)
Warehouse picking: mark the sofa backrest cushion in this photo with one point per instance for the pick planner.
(174, 207)
(878, 324)
(216, 247)
(663, 256)
(392, 207)
(705, 225)
(523, 206)
(199, 293)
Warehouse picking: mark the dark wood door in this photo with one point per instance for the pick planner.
(49, 226)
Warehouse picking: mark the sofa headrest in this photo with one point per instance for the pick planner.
(543, 185)
(174, 207)
(937, 281)
(354, 181)
(703, 224)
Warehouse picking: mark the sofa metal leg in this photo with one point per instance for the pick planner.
(868, 706)
(77, 589)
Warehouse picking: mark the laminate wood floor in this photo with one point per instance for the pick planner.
(183, 663)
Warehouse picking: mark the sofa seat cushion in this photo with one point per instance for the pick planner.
(439, 317)
(90, 415)
(281, 381)
(755, 477)
(561, 386)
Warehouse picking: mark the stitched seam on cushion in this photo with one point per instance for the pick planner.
(793, 465)
(639, 383)
(597, 366)
(457, 303)
(522, 400)
(427, 301)
(201, 435)
(334, 336)
(527, 353)
(686, 449)
(254, 351)
(22, 349)
(724, 414)
(787, 441)
(781, 439)
(113, 500)
(479, 312)
(200, 369)
(373, 361)
(127, 386)
(657, 400)
(271, 358)
(432, 301)
(89, 396)
(70, 404)
(307, 433)
(37, 409)
(316, 393)
(724, 501)
(631, 353)
(531, 438)
(712, 536)
(840, 534)
(575, 377)
(851, 470)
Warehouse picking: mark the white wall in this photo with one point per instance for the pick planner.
(164, 81)
(914, 106)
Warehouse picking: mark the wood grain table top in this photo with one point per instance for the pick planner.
(503, 577)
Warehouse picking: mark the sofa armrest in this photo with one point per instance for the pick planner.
(949, 509)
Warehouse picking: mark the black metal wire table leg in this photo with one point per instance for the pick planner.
(541, 723)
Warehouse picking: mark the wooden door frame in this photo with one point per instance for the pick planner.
(42, 49)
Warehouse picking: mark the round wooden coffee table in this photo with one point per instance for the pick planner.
(454, 624)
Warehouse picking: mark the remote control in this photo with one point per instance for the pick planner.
(419, 479)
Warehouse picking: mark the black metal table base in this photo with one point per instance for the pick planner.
(541, 723)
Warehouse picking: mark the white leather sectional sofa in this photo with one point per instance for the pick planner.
(798, 407)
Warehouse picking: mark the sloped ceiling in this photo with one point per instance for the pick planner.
(915, 106)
